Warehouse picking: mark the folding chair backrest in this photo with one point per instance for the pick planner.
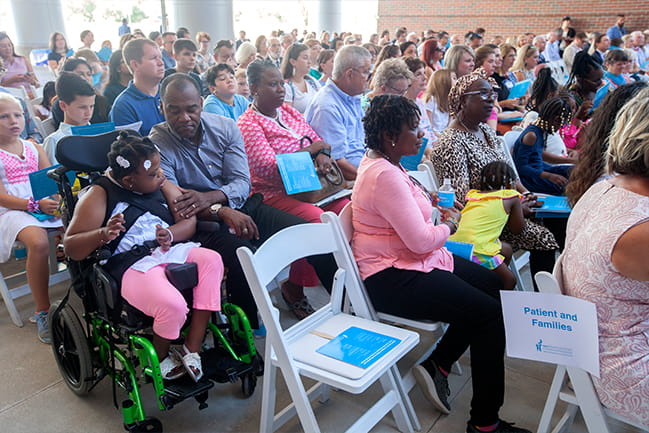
(47, 127)
(508, 154)
(428, 165)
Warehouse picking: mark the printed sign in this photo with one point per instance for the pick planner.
(551, 328)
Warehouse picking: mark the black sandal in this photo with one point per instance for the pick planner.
(301, 308)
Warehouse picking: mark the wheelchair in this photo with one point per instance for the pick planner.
(106, 336)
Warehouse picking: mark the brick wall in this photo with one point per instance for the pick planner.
(509, 17)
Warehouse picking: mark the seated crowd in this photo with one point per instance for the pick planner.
(213, 121)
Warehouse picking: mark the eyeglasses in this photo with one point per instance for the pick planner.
(398, 91)
(204, 42)
(485, 96)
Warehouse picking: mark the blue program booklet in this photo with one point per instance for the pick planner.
(42, 185)
(553, 207)
(297, 172)
(519, 89)
(359, 347)
(94, 129)
(460, 249)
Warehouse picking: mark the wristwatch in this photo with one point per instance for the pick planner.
(214, 209)
(325, 151)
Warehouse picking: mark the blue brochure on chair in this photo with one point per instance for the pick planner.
(519, 89)
(297, 172)
(42, 185)
(94, 129)
(553, 207)
(359, 347)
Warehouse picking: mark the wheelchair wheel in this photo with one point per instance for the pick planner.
(70, 347)
(248, 384)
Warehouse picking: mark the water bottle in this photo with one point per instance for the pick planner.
(446, 194)
(19, 250)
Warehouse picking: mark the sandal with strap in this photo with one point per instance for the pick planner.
(171, 368)
(192, 363)
(301, 308)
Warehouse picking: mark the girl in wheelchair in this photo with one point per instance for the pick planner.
(21, 217)
(125, 210)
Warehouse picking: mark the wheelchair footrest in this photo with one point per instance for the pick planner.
(184, 388)
(222, 368)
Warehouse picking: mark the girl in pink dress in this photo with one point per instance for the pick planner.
(18, 158)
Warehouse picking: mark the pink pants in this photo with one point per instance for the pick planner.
(151, 292)
(302, 273)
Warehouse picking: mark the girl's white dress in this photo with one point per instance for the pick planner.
(14, 174)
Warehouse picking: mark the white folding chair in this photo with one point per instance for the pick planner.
(293, 351)
(47, 126)
(582, 396)
(20, 278)
(425, 176)
(343, 223)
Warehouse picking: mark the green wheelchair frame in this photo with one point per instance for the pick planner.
(114, 341)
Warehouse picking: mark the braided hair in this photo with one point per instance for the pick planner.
(582, 66)
(543, 87)
(127, 151)
(552, 109)
(388, 113)
(497, 175)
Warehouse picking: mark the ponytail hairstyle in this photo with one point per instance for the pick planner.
(544, 87)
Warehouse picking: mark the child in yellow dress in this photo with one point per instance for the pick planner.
(484, 216)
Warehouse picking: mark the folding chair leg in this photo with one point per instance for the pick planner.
(399, 411)
(405, 397)
(9, 303)
(268, 395)
(300, 400)
(551, 401)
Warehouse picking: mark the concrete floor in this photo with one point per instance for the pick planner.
(34, 398)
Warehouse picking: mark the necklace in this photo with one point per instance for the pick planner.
(473, 131)
(383, 155)
(275, 117)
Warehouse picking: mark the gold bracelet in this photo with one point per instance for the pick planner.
(102, 241)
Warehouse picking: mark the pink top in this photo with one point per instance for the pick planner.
(392, 222)
(598, 220)
(17, 66)
(264, 138)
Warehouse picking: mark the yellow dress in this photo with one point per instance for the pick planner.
(483, 219)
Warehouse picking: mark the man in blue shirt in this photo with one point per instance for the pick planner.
(124, 28)
(204, 154)
(168, 39)
(335, 111)
(618, 30)
(141, 99)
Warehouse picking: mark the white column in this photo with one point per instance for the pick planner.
(35, 20)
(330, 16)
(212, 16)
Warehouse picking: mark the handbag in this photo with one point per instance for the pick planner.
(331, 182)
